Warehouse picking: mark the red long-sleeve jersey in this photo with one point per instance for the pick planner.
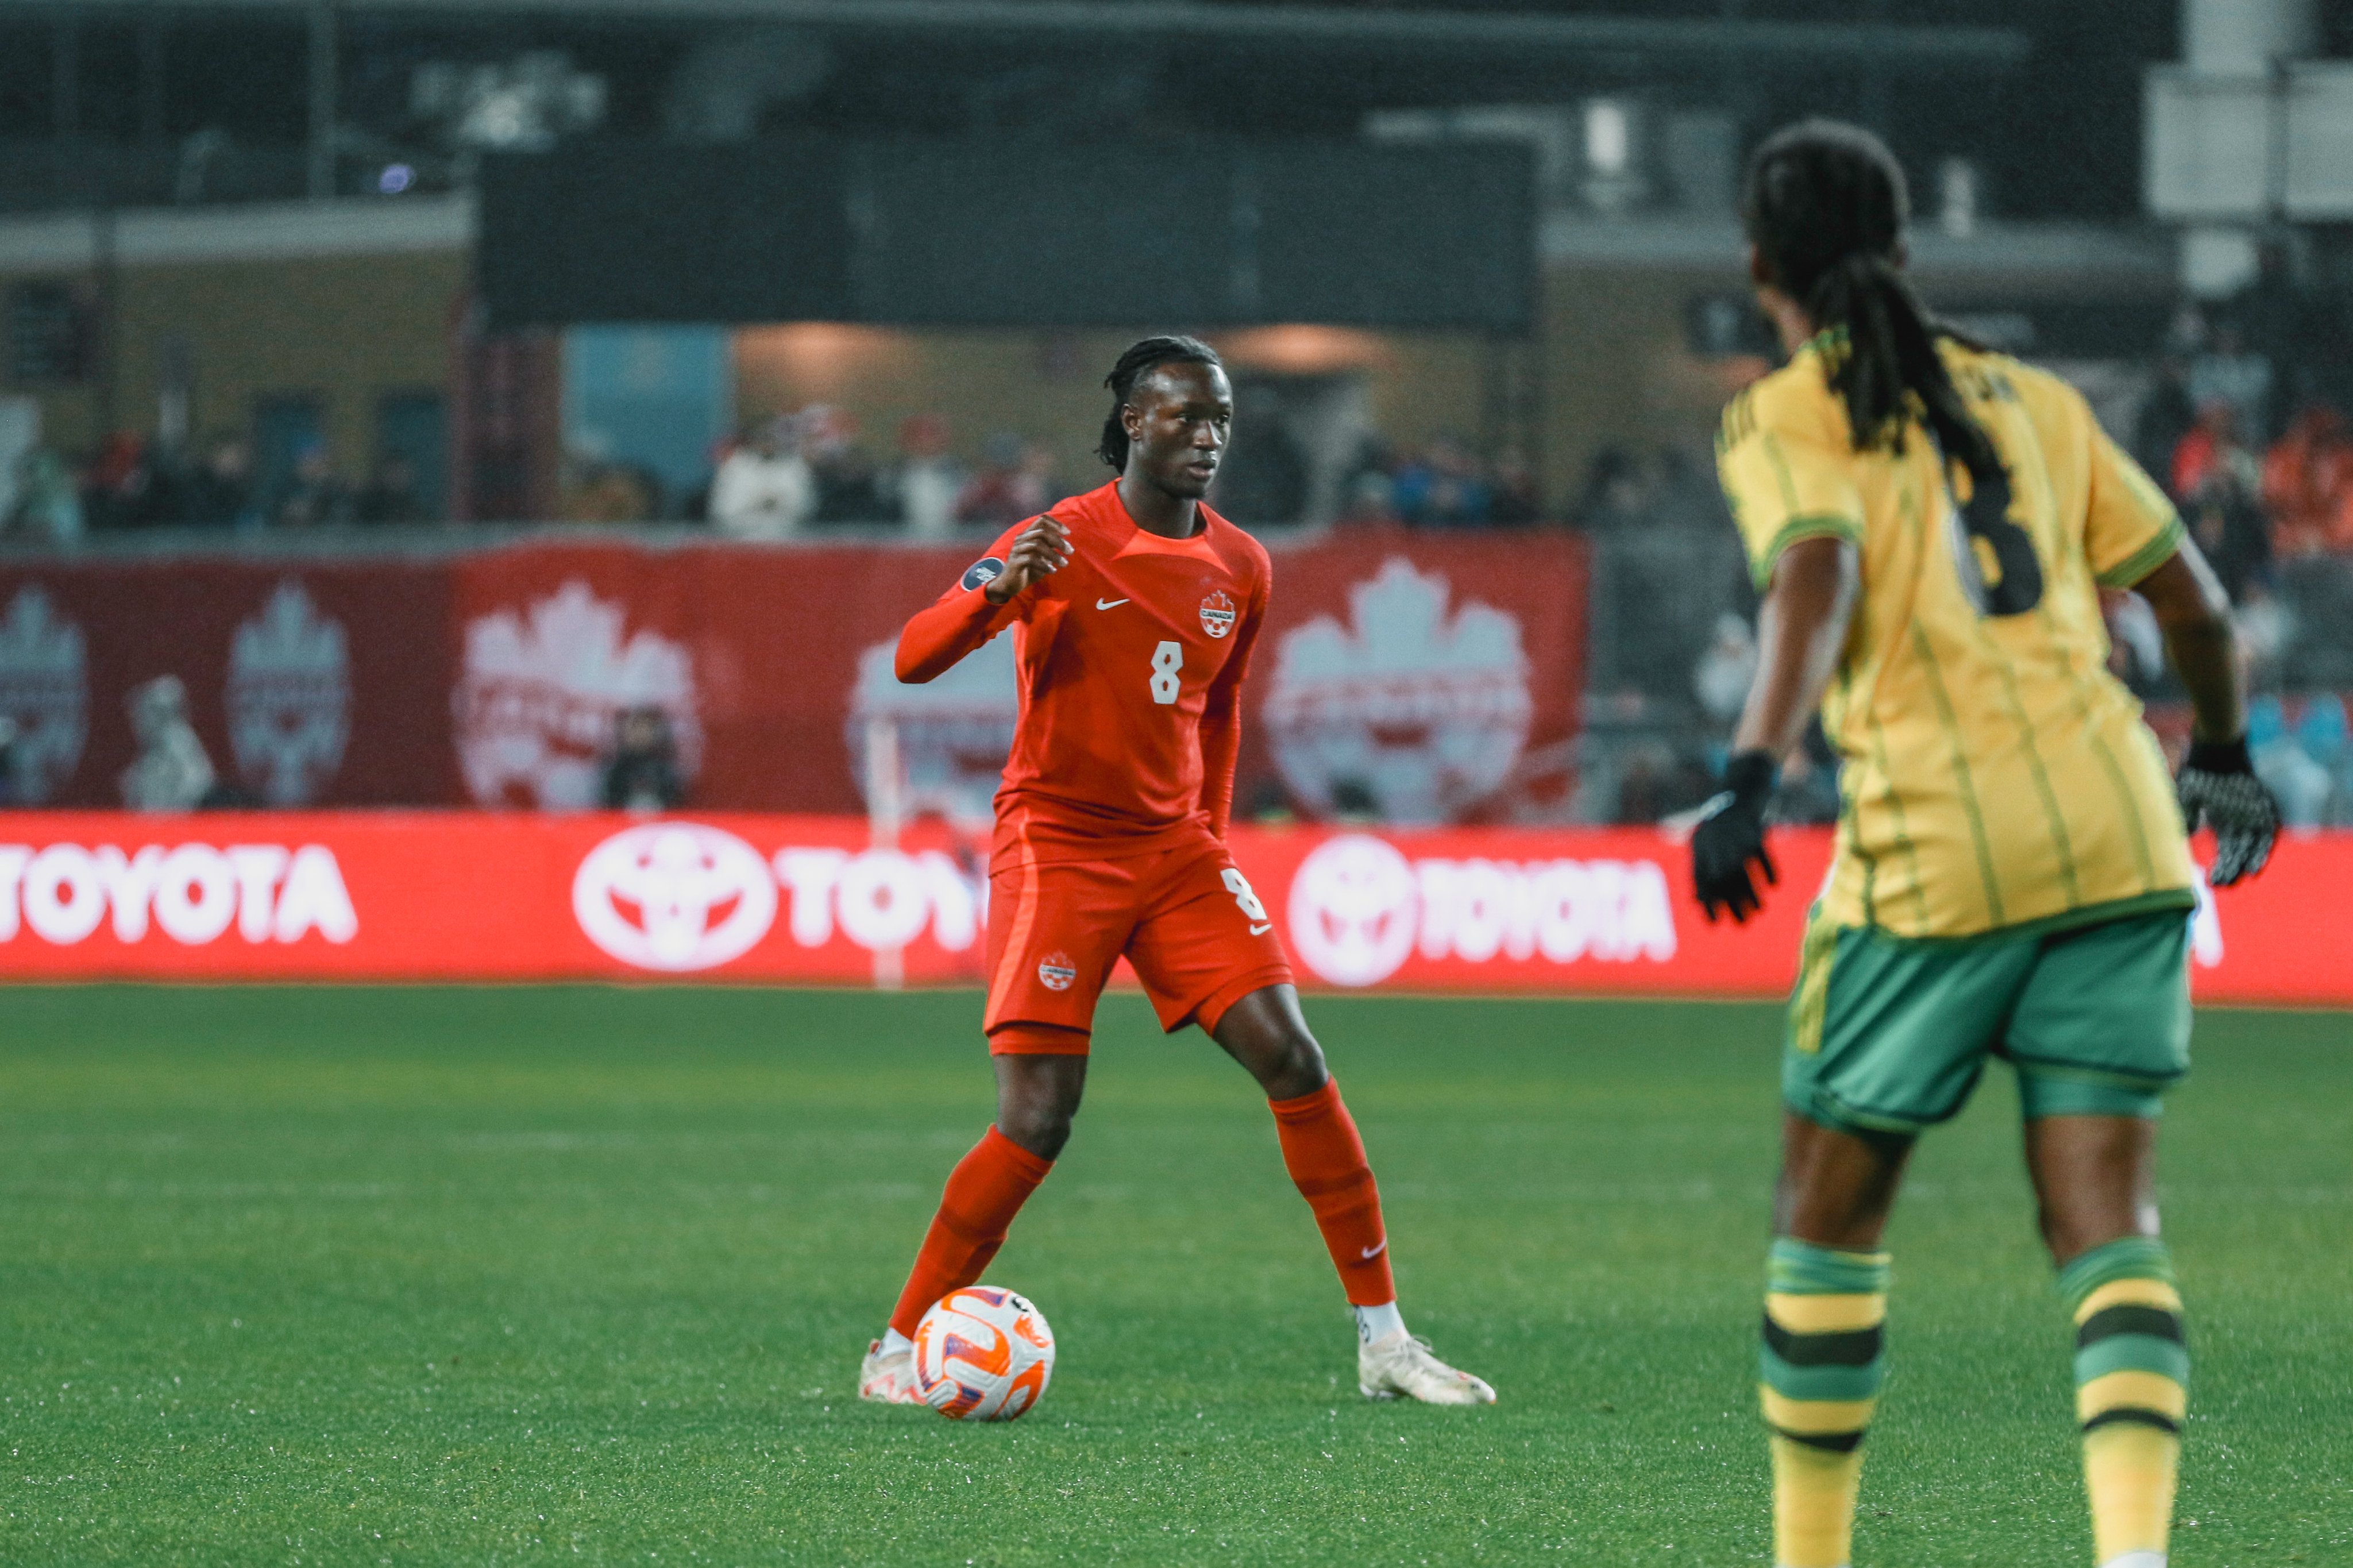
(1131, 660)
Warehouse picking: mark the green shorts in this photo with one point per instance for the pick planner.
(1889, 1035)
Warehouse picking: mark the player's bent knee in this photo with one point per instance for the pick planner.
(1036, 1114)
(1303, 1057)
(1037, 1092)
(1042, 1130)
(1289, 1064)
(1262, 1030)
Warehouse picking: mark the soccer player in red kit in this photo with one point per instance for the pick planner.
(1134, 608)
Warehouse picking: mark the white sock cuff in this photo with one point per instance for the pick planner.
(1375, 1324)
(2141, 1559)
(893, 1342)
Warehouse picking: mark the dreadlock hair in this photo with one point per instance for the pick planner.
(1139, 360)
(1825, 205)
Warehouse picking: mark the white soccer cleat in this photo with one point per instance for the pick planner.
(887, 1377)
(1401, 1367)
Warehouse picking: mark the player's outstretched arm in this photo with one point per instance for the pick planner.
(1801, 629)
(2217, 782)
(983, 602)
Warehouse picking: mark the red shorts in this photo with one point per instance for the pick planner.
(1198, 937)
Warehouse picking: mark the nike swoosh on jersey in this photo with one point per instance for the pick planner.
(1261, 931)
(1109, 603)
(1372, 1252)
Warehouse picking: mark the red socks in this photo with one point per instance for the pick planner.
(985, 1191)
(1320, 1149)
(1326, 1162)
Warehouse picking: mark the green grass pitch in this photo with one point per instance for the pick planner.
(526, 1276)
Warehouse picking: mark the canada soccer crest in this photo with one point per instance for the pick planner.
(1056, 971)
(1217, 614)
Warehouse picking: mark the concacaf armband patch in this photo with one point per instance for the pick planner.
(983, 572)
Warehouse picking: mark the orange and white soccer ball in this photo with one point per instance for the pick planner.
(983, 1354)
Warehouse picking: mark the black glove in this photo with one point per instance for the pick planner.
(1731, 833)
(2218, 782)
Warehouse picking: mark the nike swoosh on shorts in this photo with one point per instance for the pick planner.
(1261, 931)
(1109, 603)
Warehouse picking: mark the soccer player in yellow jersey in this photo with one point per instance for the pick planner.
(1931, 524)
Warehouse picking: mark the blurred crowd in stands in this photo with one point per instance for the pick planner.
(2257, 458)
(1443, 485)
(777, 478)
(2261, 466)
(808, 470)
(804, 470)
(133, 483)
(2263, 472)
(2256, 483)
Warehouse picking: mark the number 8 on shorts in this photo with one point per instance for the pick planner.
(1238, 886)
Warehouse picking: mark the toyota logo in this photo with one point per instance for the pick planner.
(674, 896)
(1352, 910)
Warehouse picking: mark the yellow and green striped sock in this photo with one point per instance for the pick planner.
(1819, 1369)
(2132, 1391)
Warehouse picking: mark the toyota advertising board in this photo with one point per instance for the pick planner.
(784, 899)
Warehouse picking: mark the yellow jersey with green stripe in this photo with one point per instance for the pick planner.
(1995, 774)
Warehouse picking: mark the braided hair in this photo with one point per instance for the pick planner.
(1825, 205)
(1139, 360)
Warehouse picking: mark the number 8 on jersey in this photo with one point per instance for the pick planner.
(1166, 660)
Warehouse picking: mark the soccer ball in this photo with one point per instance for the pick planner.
(983, 1354)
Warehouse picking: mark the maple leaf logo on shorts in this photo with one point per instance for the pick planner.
(1055, 970)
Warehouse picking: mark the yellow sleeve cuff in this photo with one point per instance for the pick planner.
(2146, 559)
(1819, 525)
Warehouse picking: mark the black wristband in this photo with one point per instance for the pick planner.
(1751, 776)
(2220, 756)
